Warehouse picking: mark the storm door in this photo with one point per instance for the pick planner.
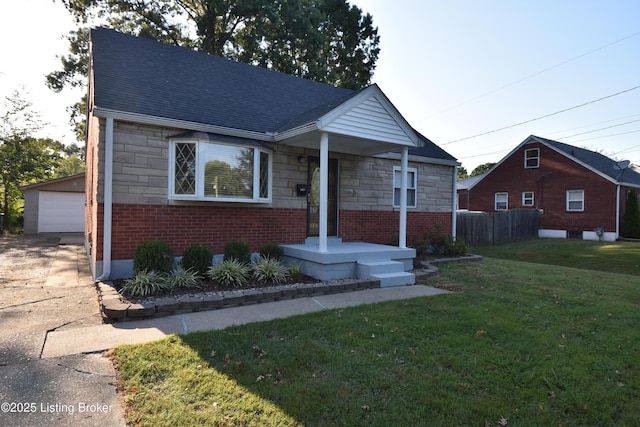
(313, 198)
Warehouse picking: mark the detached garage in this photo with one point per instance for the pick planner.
(55, 206)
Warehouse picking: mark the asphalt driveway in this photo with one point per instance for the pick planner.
(45, 286)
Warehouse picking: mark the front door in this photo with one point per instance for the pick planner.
(313, 198)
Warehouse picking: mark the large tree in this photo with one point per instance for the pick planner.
(23, 157)
(322, 40)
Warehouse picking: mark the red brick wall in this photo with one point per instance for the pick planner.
(181, 226)
(383, 226)
(550, 182)
(215, 226)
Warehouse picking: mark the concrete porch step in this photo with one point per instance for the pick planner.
(367, 268)
(394, 279)
(390, 273)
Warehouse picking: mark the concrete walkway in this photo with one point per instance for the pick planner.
(102, 337)
(55, 364)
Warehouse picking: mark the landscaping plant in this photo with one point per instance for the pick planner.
(271, 250)
(145, 283)
(270, 270)
(230, 272)
(197, 258)
(182, 278)
(238, 250)
(154, 255)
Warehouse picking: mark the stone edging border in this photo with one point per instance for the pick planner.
(115, 309)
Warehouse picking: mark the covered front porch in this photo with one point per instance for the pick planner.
(366, 125)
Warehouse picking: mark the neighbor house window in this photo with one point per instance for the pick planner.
(527, 198)
(502, 201)
(532, 158)
(575, 200)
(412, 187)
(205, 170)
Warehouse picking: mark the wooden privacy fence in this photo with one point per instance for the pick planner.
(494, 228)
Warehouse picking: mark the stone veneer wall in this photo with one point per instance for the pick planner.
(142, 210)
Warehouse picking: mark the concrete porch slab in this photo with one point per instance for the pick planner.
(340, 260)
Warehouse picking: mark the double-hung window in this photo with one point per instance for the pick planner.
(527, 198)
(216, 171)
(531, 158)
(412, 186)
(575, 200)
(502, 201)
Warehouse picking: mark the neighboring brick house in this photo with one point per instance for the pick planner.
(192, 148)
(576, 190)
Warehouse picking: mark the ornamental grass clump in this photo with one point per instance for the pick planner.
(182, 278)
(270, 270)
(145, 283)
(230, 272)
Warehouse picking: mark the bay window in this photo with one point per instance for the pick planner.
(215, 171)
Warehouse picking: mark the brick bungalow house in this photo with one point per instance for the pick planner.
(190, 148)
(576, 190)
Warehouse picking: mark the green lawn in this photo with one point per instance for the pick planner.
(615, 257)
(516, 343)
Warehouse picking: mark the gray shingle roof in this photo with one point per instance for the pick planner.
(595, 160)
(142, 76)
(138, 75)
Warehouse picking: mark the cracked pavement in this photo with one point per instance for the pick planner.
(45, 286)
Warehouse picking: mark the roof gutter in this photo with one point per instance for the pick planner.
(108, 201)
(181, 124)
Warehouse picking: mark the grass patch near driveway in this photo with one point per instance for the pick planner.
(514, 344)
(615, 257)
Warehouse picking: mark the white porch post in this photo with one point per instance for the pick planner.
(402, 240)
(324, 191)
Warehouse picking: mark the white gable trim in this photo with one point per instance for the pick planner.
(369, 115)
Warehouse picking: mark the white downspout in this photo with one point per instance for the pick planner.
(108, 200)
(402, 238)
(324, 191)
(454, 213)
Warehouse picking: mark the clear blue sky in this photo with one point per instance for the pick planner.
(454, 69)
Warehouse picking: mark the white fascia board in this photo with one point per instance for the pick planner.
(180, 124)
(418, 159)
(375, 92)
(300, 130)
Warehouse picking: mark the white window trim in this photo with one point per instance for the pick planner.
(581, 192)
(537, 157)
(409, 187)
(532, 198)
(501, 193)
(201, 146)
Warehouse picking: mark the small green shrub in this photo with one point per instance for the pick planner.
(295, 270)
(145, 283)
(230, 272)
(197, 258)
(181, 277)
(153, 255)
(270, 270)
(271, 250)
(238, 250)
(455, 247)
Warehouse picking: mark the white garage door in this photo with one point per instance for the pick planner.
(60, 212)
